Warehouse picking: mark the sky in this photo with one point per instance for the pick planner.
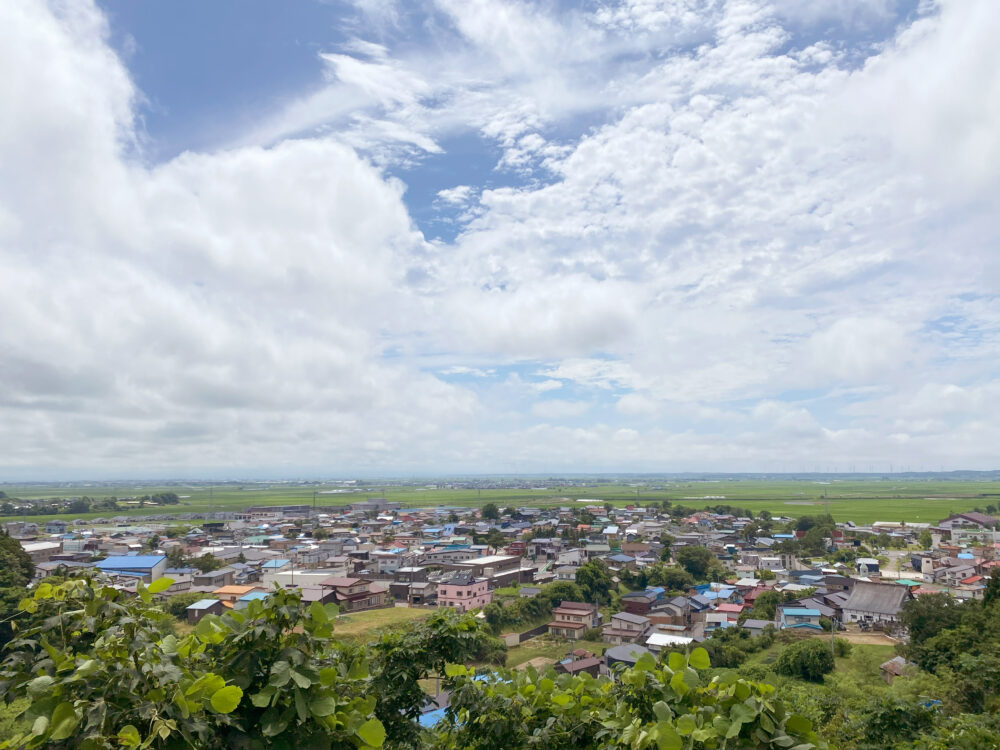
(488, 236)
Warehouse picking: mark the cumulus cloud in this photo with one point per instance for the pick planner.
(732, 245)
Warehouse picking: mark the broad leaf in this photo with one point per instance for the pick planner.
(227, 699)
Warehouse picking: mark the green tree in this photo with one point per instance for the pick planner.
(808, 659)
(667, 706)
(594, 580)
(926, 539)
(491, 511)
(699, 562)
(16, 571)
(765, 606)
(206, 563)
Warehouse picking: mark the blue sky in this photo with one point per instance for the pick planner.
(485, 235)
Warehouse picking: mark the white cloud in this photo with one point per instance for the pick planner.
(761, 256)
(558, 409)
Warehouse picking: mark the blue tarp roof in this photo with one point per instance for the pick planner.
(253, 595)
(275, 563)
(131, 562)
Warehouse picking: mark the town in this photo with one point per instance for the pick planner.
(645, 577)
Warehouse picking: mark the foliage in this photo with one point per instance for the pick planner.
(699, 562)
(670, 577)
(526, 610)
(16, 571)
(491, 511)
(594, 580)
(101, 673)
(666, 706)
(808, 659)
(206, 563)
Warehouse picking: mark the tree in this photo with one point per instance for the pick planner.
(651, 706)
(177, 604)
(491, 511)
(926, 616)
(926, 539)
(669, 577)
(765, 606)
(108, 677)
(207, 562)
(16, 571)
(594, 580)
(698, 561)
(809, 659)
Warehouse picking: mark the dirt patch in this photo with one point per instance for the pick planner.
(539, 663)
(868, 639)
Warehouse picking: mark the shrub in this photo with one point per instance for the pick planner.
(809, 660)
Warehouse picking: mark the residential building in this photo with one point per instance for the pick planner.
(625, 627)
(146, 568)
(464, 592)
(875, 602)
(572, 619)
(799, 618)
(355, 594)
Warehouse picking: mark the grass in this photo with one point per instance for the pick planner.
(859, 500)
(362, 624)
(550, 648)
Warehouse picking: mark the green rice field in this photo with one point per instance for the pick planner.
(861, 500)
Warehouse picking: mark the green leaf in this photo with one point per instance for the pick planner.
(798, 724)
(678, 685)
(317, 613)
(160, 584)
(226, 700)
(454, 670)
(662, 711)
(372, 733)
(323, 706)
(676, 661)
(699, 659)
(686, 724)
(274, 723)
(359, 670)
(128, 736)
(63, 721)
(742, 713)
(281, 673)
(645, 663)
(40, 725)
(301, 680)
(39, 686)
(667, 737)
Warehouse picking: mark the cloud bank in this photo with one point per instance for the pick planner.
(718, 235)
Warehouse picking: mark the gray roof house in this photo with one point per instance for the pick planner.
(875, 602)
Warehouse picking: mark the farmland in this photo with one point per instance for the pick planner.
(914, 498)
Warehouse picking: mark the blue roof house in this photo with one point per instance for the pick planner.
(146, 567)
(796, 617)
(244, 600)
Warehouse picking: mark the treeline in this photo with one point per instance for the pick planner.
(78, 505)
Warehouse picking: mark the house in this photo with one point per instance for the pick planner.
(146, 568)
(625, 627)
(970, 526)
(214, 578)
(354, 594)
(756, 627)
(55, 526)
(252, 596)
(233, 592)
(589, 664)
(627, 655)
(638, 602)
(204, 607)
(464, 592)
(572, 619)
(895, 667)
(799, 618)
(866, 565)
(875, 602)
(659, 641)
